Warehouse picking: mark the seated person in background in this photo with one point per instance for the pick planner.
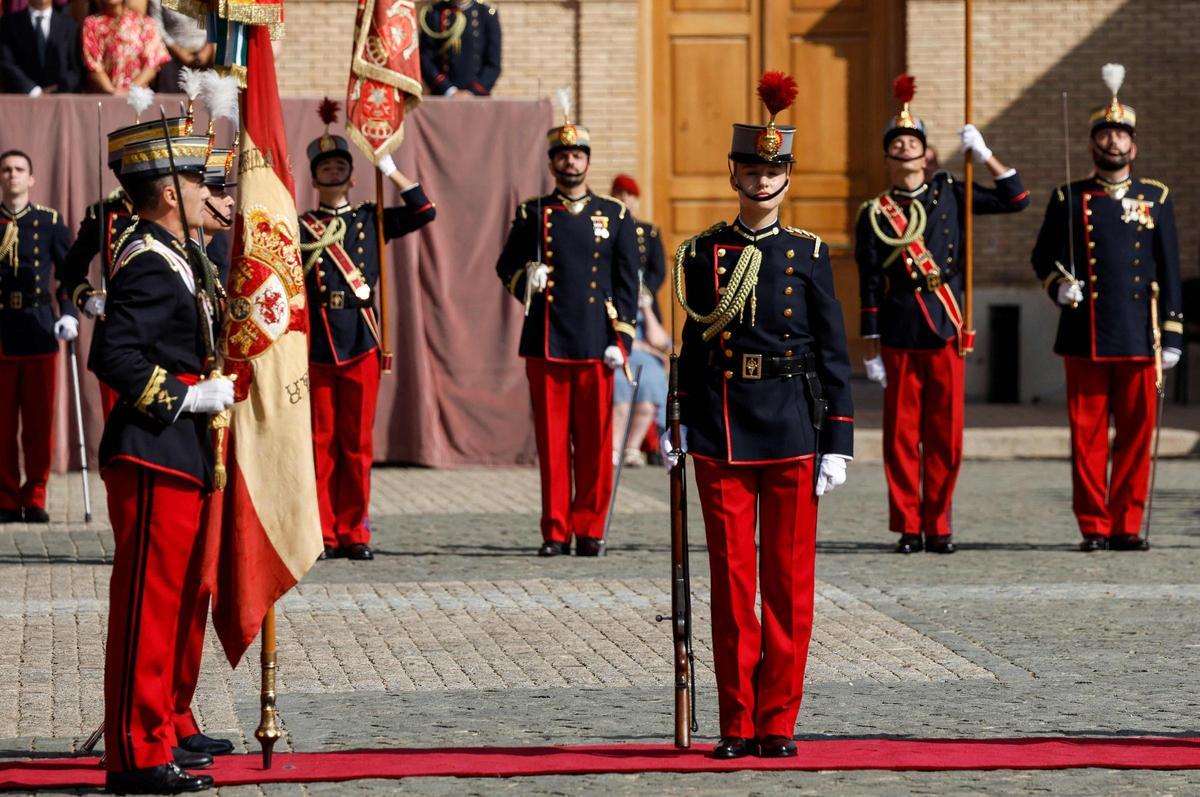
(121, 48)
(650, 349)
(38, 52)
(460, 48)
(186, 40)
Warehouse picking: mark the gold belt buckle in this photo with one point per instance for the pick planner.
(337, 299)
(16, 300)
(752, 366)
(933, 279)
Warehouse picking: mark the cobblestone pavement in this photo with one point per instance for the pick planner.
(456, 634)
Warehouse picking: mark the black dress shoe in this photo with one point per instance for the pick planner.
(734, 747)
(331, 552)
(554, 548)
(909, 543)
(186, 759)
(776, 747)
(1128, 542)
(941, 544)
(11, 516)
(359, 552)
(1093, 542)
(199, 743)
(35, 514)
(162, 779)
(589, 546)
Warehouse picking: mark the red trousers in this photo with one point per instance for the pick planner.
(922, 437)
(343, 423)
(1095, 391)
(27, 386)
(572, 418)
(760, 667)
(157, 611)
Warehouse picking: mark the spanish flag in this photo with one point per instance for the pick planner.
(268, 533)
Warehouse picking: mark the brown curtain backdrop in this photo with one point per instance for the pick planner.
(457, 393)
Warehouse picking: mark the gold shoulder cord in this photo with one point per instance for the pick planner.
(333, 234)
(917, 219)
(733, 301)
(8, 246)
(452, 38)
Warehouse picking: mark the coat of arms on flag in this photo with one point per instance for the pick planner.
(385, 75)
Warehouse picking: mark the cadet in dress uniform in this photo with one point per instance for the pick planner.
(33, 242)
(460, 48)
(103, 222)
(652, 262)
(764, 381)
(341, 260)
(581, 301)
(156, 456)
(908, 244)
(217, 219)
(1124, 241)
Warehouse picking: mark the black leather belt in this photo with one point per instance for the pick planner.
(756, 367)
(343, 300)
(19, 300)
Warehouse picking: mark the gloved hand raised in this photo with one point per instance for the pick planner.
(209, 397)
(972, 141)
(66, 328)
(831, 473)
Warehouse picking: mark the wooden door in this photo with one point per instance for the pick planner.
(708, 56)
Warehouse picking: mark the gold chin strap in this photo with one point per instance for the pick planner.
(732, 304)
(334, 233)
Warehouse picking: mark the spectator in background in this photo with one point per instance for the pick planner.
(186, 40)
(121, 48)
(650, 348)
(39, 50)
(13, 6)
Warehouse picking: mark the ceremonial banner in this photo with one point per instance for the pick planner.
(269, 533)
(385, 75)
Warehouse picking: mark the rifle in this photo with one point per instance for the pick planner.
(681, 579)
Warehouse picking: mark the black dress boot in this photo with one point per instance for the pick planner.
(776, 747)
(162, 779)
(199, 743)
(909, 543)
(1093, 542)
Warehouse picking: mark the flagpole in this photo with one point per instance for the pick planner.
(384, 294)
(967, 332)
(268, 726)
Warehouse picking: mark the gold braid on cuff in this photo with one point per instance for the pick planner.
(157, 377)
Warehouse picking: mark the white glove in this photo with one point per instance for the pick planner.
(613, 357)
(537, 274)
(209, 397)
(386, 165)
(972, 141)
(94, 306)
(666, 448)
(66, 328)
(1170, 358)
(1069, 293)
(36, 91)
(832, 473)
(875, 370)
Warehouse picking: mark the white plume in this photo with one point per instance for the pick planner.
(1114, 76)
(563, 95)
(140, 98)
(191, 81)
(220, 95)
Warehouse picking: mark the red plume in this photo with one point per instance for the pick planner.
(777, 90)
(328, 111)
(904, 87)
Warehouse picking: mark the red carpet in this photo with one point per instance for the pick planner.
(824, 754)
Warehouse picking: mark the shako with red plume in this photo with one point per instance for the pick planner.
(770, 143)
(328, 145)
(904, 88)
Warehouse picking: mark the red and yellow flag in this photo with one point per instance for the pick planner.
(385, 75)
(269, 532)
